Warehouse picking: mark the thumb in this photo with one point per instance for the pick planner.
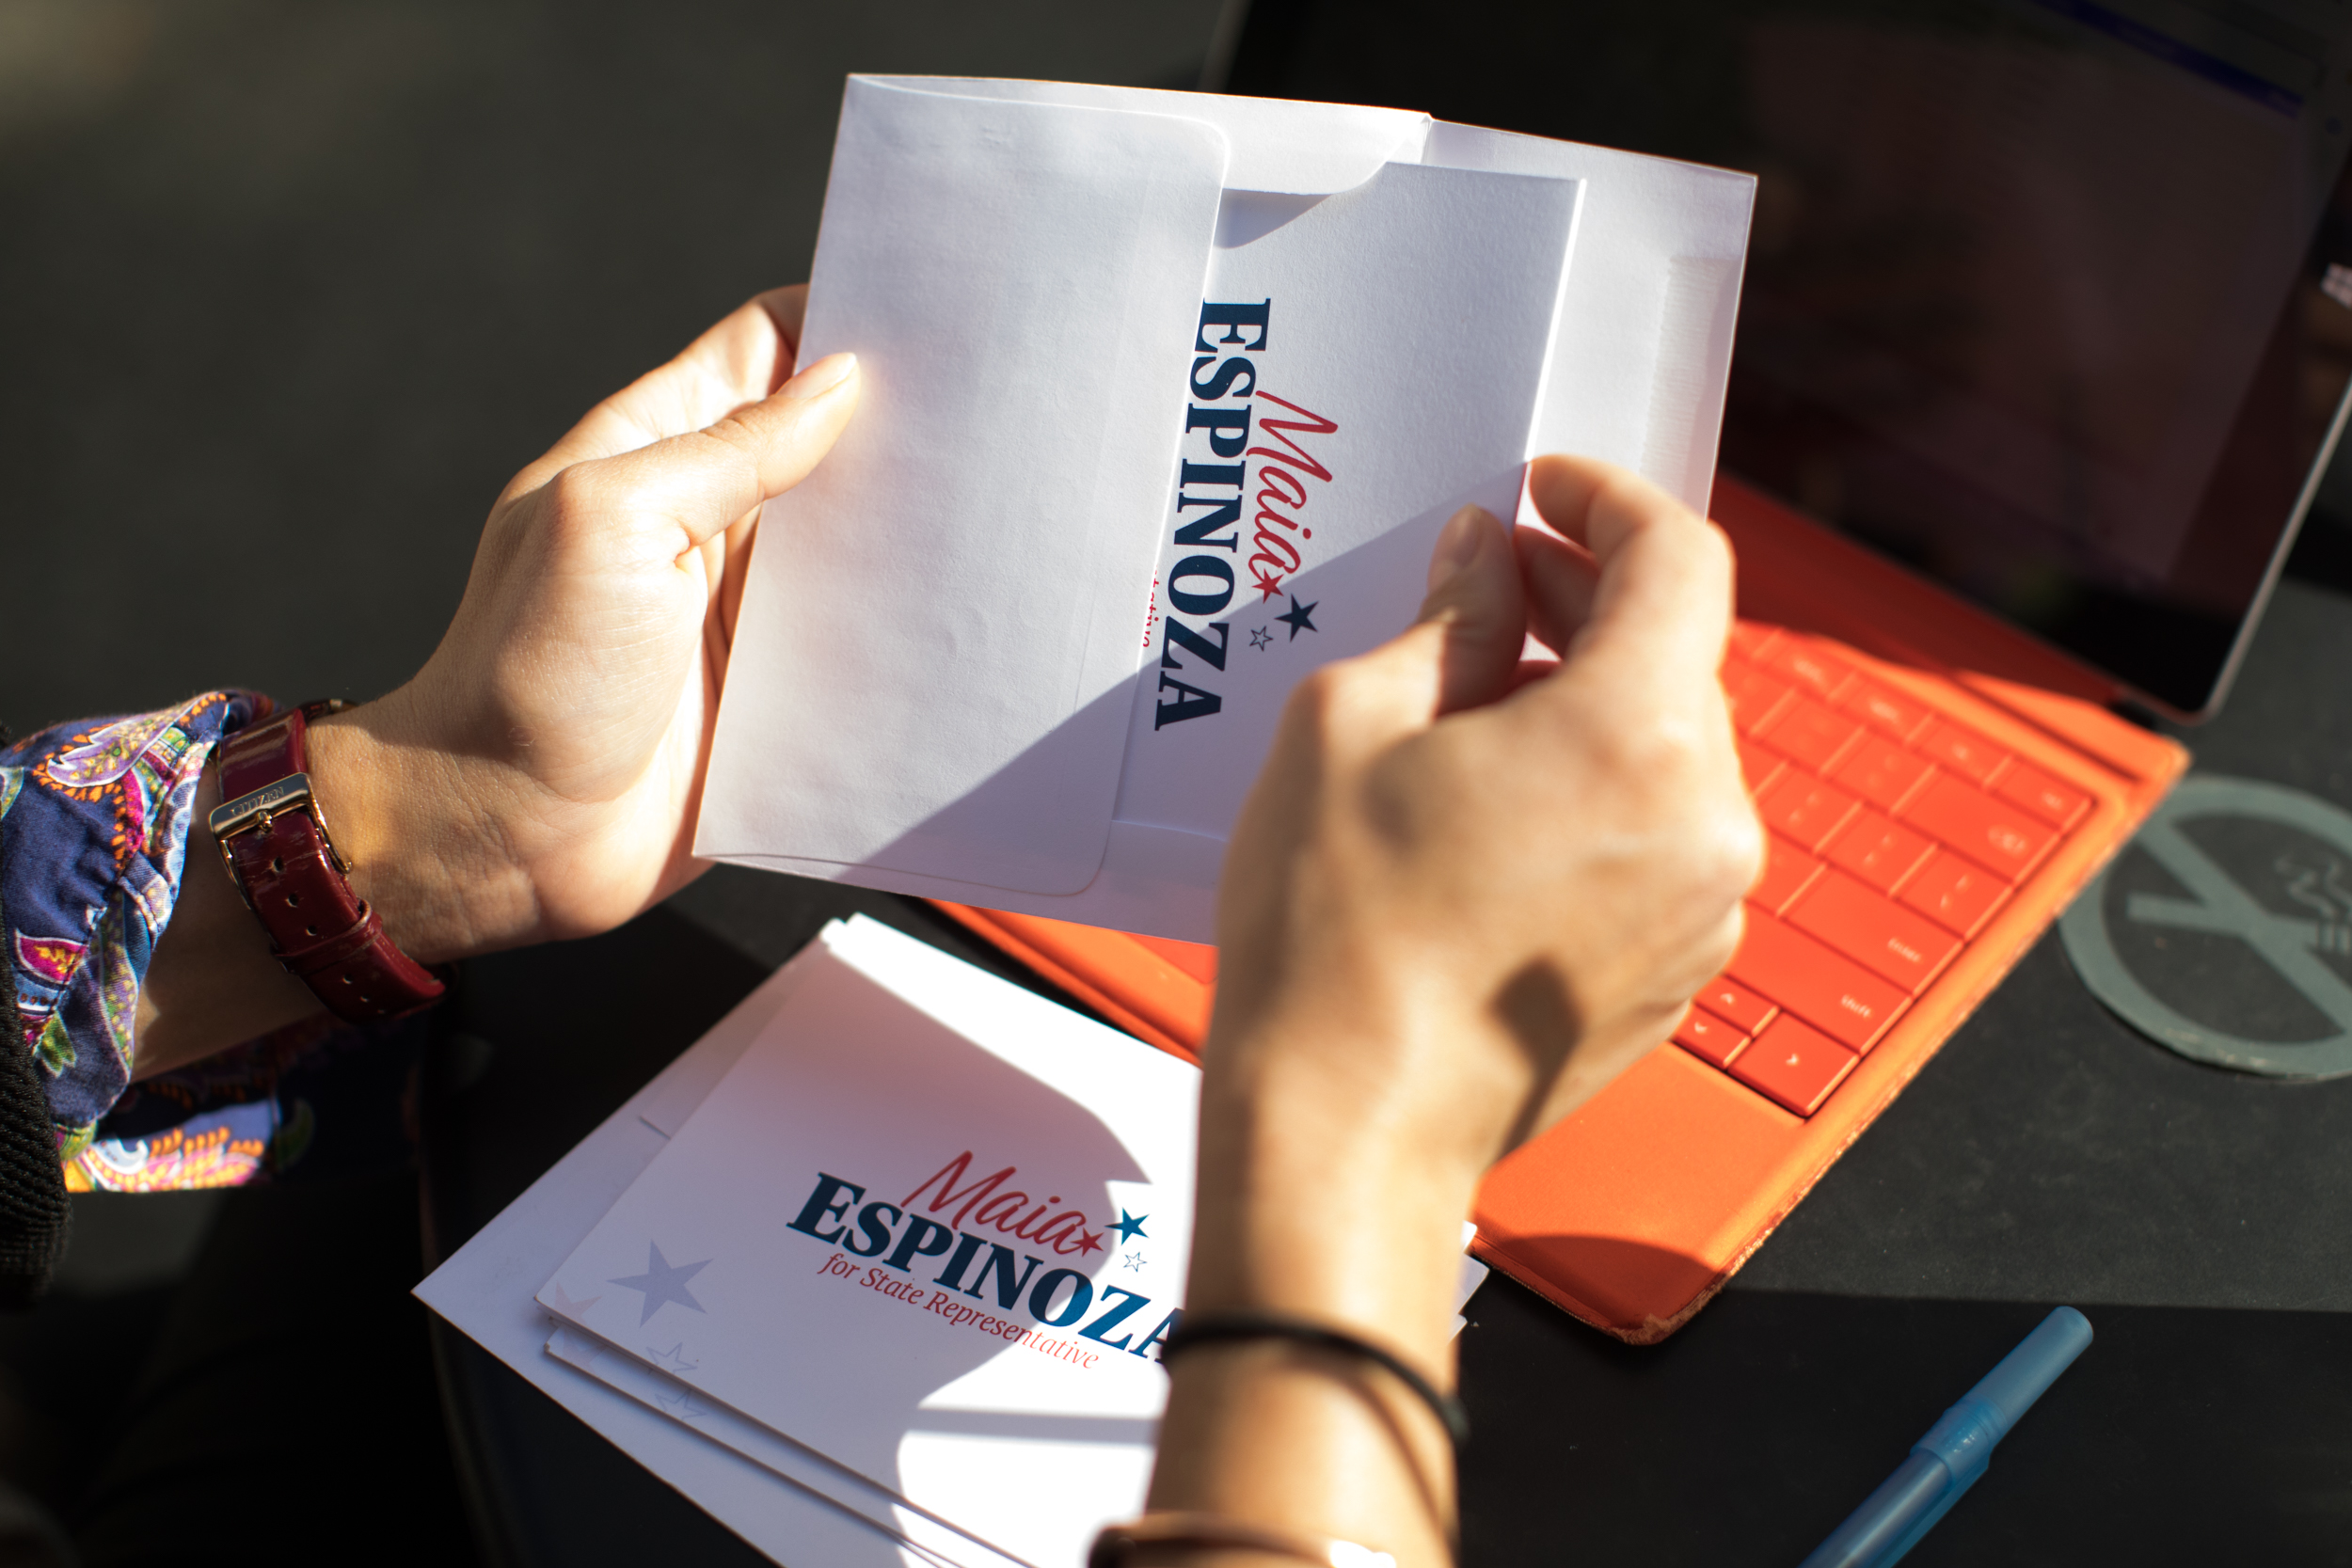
(706, 479)
(1477, 601)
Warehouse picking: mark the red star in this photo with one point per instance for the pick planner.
(1089, 1241)
(1268, 587)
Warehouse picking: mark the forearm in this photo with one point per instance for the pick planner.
(416, 858)
(1307, 1211)
(212, 983)
(537, 779)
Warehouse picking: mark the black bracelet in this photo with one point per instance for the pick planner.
(1214, 1328)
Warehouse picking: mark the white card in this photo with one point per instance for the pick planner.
(796, 1502)
(1018, 281)
(803, 1467)
(925, 1212)
(1297, 536)
(962, 676)
(485, 1291)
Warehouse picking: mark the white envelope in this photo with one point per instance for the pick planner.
(1009, 646)
(484, 1289)
(785, 1498)
(926, 1217)
(789, 1499)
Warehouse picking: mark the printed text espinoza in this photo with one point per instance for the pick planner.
(836, 1214)
(1201, 585)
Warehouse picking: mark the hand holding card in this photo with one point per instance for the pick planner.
(1167, 397)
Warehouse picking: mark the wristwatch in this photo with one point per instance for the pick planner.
(273, 837)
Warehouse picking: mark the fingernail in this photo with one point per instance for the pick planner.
(822, 377)
(1457, 545)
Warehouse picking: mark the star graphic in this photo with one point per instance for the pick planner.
(1268, 584)
(674, 1359)
(1090, 1240)
(1260, 638)
(682, 1405)
(1130, 1225)
(563, 1304)
(1297, 618)
(662, 1284)
(1133, 1261)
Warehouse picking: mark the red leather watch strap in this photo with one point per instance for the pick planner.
(274, 837)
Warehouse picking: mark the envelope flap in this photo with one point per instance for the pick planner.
(1277, 144)
(1654, 297)
(930, 671)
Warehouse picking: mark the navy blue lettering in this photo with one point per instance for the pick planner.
(968, 1247)
(1234, 317)
(923, 1239)
(1201, 566)
(1159, 1335)
(876, 1230)
(1081, 1297)
(1000, 1264)
(1113, 1316)
(1182, 636)
(1191, 702)
(1220, 385)
(1190, 472)
(1227, 428)
(827, 1202)
(1197, 533)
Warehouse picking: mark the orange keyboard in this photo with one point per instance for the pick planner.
(1892, 835)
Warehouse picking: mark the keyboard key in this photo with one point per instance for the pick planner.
(1881, 771)
(1813, 671)
(1730, 1000)
(1954, 894)
(1881, 852)
(1750, 638)
(1810, 732)
(1753, 697)
(1884, 709)
(1795, 1065)
(1827, 989)
(1709, 1037)
(2059, 804)
(1803, 808)
(1786, 870)
(1874, 930)
(1757, 765)
(1964, 752)
(1993, 832)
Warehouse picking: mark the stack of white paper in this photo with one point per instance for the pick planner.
(876, 1272)
(1164, 398)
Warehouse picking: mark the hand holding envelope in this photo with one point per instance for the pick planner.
(1466, 895)
(1166, 397)
(1164, 401)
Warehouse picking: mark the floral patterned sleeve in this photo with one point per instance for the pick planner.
(94, 820)
(94, 830)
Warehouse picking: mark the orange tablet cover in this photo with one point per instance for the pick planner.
(1633, 1212)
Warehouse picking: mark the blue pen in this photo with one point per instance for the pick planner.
(1947, 1461)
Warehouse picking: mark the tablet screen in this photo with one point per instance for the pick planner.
(2049, 300)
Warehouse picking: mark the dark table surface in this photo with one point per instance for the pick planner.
(2049, 1154)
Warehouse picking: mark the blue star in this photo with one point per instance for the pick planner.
(1260, 638)
(1133, 1261)
(1129, 1225)
(661, 1284)
(1298, 620)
